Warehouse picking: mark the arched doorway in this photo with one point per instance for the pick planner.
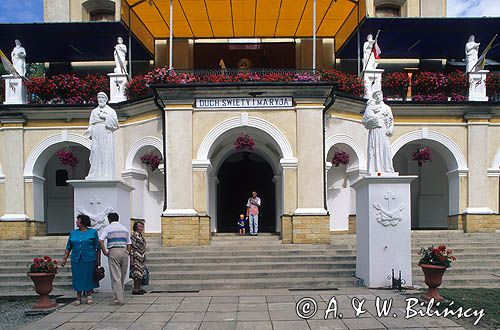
(431, 198)
(147, 197)
(239, 175)
(44, 175)
(58, 194)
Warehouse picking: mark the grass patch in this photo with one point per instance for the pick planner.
(477, 299)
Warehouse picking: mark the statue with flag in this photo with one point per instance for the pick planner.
(481, 61)
(371, 52)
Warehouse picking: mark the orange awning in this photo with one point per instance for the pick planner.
(149, 19)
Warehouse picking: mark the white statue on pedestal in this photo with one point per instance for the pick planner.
(103, 122)
(371, 52)
(120, 54)
(379, 121)
(471, 54)
(18, 57)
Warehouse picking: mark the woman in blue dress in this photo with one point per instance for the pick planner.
(83, 244)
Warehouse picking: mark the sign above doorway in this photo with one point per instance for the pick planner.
(244, 102)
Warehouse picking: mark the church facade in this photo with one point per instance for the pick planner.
(309, 142)
(296, 128)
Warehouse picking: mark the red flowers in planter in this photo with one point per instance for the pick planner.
(340, 157)
(440, 256)
(244, 143)
(422, 155)
(152, 160)
(43, 265)
(67, 157)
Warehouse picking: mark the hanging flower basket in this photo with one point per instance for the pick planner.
(340, 158)
(152, 160)
(67, 157)
(244, 143)
(422, 155)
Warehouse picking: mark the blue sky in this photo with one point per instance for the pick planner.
(28, 11)
(21, 11)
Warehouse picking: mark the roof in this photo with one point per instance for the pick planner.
(69, 42)
(425, 38)
(149, 19)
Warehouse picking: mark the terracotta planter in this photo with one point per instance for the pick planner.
(433, 278)
(43, 286)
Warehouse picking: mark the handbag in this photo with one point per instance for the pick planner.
(99, 273)
(145, 279)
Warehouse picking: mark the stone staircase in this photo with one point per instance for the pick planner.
(234, 262)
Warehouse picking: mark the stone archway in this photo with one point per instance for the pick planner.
(435, 194)
(51, 198)
(147, 196)
(217, 146)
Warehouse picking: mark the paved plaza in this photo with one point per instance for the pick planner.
(239, 309)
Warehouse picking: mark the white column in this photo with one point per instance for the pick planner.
(170, 66)
(15, 91)
(373, 81)
(477, 85)
(117, 84)
(383, 229)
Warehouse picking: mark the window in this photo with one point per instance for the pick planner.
(387, 10)
(61, 178)
(100, 16)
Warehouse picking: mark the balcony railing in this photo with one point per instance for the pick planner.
(422, 87)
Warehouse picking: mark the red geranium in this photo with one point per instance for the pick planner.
(67, 157)
(43, 265)
(244, 143)
(439, 256)
(422, 155)
(152, 160)
(339, 158)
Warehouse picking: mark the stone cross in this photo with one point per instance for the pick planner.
(389, 195)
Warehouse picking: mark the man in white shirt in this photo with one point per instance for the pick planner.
(253, 206)
(117, 249)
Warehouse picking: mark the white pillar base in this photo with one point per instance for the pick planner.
(93, 198)
(477, 86)
(373, 81)
(117, 84)
(15, 91)
(383, 229)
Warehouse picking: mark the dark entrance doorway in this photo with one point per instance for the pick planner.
(239, 175)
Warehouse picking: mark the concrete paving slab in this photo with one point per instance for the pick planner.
(288, 325)
(326, 324)
(252, 316)
(219, 316)
(223, 307)
(254, 325)
(189, 325)
(231, 325)
(77, 326)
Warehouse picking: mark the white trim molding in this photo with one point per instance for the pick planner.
(478, 210)
(201, 165)
(493, 172)
(180, 213)
(426, 134)
(289, 162)
(332, 140)
(39, 156)
(244, 121)
(147, 141)
(134, 174)
(310, 211)
(14, 217)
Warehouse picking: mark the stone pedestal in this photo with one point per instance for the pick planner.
(477, 86)
(117, 84)
(15, 91)
(373, 81)
(383, 229)
(97, 198)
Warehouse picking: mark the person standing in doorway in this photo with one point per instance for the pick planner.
(117, 249)
(253, 206)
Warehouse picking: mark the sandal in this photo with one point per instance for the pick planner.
(137, 292)
(90, 301)
(77, 302)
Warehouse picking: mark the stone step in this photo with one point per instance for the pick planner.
(252, 266)
(464, 280)
(249, 274)
(235, 259)
(27, 286)
(465, 270)
(261, 283)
